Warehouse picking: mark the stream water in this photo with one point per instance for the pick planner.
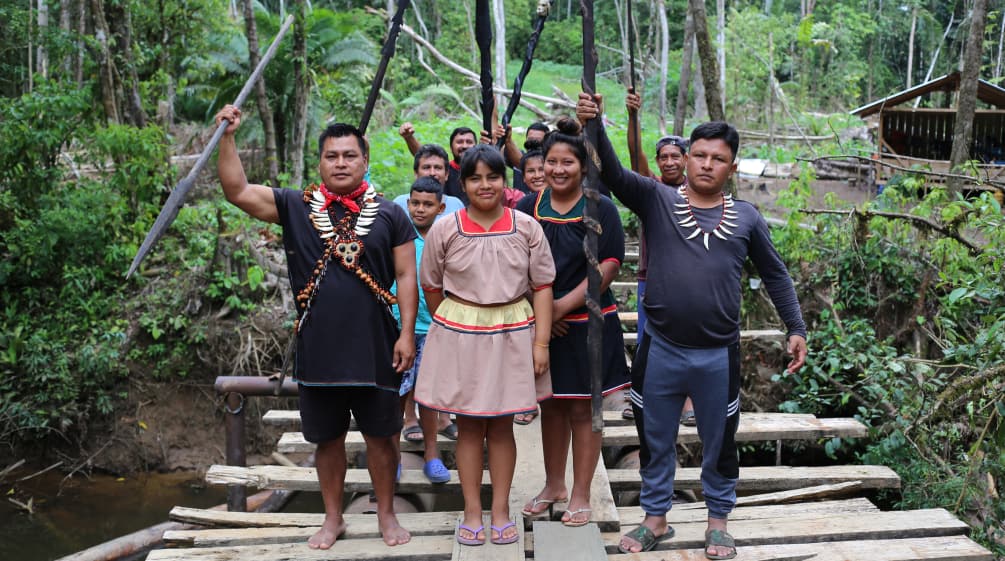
(86, 512)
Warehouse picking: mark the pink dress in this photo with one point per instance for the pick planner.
(478, 359)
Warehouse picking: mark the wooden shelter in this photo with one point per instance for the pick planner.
(910, 136)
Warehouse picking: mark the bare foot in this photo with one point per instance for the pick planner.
(391, 531)
(331, 530)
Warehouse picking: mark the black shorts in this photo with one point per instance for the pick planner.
(324, 411)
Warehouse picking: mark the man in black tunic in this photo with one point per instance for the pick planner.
(344, 247)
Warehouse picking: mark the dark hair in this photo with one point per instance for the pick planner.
(722, 130)
(427, 184)
(462, 130)
(567, 131)
(485, 153)
(427, 150)
(539, 126)
(672, 140)
(340, 130)
(530, 155)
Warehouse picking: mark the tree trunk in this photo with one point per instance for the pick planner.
(720, 21)
(685, 76)
(134, 104)
(698, 82)
(261, 96)
(910, 47)
(106, 66)
(1001, 40)
(499, 19)
(709, 66)
(43, 26)
(81, 32)
(65, 28)
(301, 94)
(664, 62)
(967, 99)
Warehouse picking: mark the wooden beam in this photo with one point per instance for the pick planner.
(829, 528)
(957, 548)
(633, 338)
(421, 548)
(413, 481)
(683, 513)
(754, 427)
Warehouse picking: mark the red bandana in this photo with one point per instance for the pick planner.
(455, 165)
(348, 201)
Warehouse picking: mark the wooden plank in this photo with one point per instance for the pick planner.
(831, 528)
(950, 548)
(256, 528)
(753, 427)
(553, 541)
(773, 478)
(421, 548)
(528, 479)
(802, 494)
(490, 551)
(697, 512)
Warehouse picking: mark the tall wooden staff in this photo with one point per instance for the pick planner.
(385, 56)
(543, 9)
(483, 36)
(595, 327)
(633, 115)
(177, 196)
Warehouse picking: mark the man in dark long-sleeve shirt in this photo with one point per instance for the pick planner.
(698, 239)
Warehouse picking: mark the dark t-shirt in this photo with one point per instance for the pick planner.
(692, 293)
(348, 338)
(453, 186)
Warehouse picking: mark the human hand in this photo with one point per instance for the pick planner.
(633, 101)
(404, 353)
(589, 107)
(796, 348)
(406, 130)
(231, 114)
(542, 360)
(559, 328)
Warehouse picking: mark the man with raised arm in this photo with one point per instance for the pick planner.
(345, 246)
(698, 239)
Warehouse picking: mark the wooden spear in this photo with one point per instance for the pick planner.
(385, 56)
(633, 115)
(595, 327)
(543, 9)
(483, 36)
(177, 196)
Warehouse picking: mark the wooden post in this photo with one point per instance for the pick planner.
(237, 495)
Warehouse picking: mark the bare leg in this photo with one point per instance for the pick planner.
(555, 435)
(502, 463)
(331, 466)
(585, 455)
(470, 439)
(382, 461)
(428, 421)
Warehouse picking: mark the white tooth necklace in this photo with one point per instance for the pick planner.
(688, 220)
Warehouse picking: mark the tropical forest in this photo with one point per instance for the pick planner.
(872, 140)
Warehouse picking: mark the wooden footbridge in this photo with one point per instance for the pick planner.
(785, 512)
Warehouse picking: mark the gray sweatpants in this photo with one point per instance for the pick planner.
(663, 375)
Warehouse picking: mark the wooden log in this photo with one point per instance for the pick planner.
(257, 529)
(957, 548)
(832, 528)
(753, 427)
(773, 478)
(426, 548)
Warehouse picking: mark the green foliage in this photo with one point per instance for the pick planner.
(907, 332)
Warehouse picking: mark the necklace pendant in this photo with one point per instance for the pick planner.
(705, 240)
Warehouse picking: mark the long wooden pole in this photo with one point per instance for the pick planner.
(633, 115)
(543, 9)
(177, 197)
(483, 36)
(595, 326)
(385, 56)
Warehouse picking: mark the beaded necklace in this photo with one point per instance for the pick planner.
(343, 241)
(689, 220)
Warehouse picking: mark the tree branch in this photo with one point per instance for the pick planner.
(979, 184)
(917, 221)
